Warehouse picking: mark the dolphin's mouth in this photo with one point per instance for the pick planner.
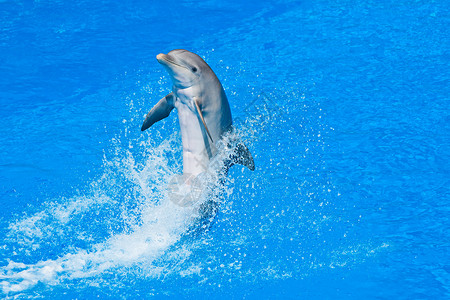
(166, 59)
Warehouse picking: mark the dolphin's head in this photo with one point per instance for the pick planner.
(183, 66)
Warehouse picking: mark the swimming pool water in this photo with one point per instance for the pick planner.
(343, 104)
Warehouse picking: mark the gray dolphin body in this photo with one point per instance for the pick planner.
(203, 111)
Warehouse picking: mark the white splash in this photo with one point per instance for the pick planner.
(130, 196)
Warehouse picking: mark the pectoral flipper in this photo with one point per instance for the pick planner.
(160, 111)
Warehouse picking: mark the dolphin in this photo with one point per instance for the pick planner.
(203, 112)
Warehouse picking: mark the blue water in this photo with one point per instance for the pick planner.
(343, 104)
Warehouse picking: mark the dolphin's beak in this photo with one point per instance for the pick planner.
(167, 60)
(162, 58)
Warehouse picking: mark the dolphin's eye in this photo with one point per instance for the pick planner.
(194, 69)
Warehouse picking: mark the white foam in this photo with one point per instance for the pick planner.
(150, 223)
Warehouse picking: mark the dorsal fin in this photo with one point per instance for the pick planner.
(242, 156)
